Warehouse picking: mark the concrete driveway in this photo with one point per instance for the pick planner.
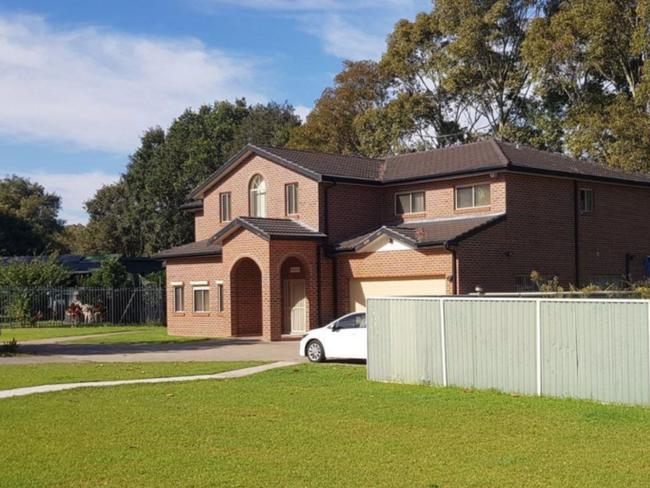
(242, 349)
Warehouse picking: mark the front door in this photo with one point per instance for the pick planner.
(295, 309)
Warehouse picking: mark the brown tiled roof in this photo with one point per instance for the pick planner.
(333, 165)
(427, 233)
(492, 155)
(269, 229)
(206, 247)
(483, 156)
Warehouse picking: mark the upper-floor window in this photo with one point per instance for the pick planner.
(257, 197)
(473, 196)
(224, 207)
(586, 200)
(412, 202)
(291, 198)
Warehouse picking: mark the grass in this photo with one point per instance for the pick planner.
(30, 334)
(152, 335)
(17, 376)
(309, 426)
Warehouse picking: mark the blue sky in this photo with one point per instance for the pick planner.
(81, 80)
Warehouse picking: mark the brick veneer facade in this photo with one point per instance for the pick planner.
(541, 230)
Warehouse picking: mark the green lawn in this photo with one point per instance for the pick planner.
(30, 334)
(157, 335)
(16, 376)
(316, 425)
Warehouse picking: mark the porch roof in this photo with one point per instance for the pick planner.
(431, 233)
(206, 247)
(269, 229)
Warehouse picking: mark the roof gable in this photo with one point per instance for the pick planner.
(268, 229)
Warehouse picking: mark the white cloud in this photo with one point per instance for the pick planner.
(302, 112)
(342, 39)
(74, 189)
(347, 29)
(100, 89)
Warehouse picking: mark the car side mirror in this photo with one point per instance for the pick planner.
(335, 326)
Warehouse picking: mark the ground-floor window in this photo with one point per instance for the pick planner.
(179, 297)
(201, 299)
(220, 297)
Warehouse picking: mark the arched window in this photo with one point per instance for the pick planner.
(257, 197)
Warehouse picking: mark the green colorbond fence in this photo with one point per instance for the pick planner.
(581, 348)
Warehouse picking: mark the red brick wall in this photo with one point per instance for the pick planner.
(439, 198)
(190, 323)
(237, 183)
(352, 210)
(538, 234)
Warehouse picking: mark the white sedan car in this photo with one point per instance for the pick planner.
(345, 338)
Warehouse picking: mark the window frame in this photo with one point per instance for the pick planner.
(201, 288)
(257, 193)
(181, 287)
(584, 210)
(287, 188)
(227, 196)
(473, 186)
(411, 200)
(220, 296)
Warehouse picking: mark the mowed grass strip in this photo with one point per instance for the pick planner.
(36, 333)
(152, 335)
(18, 376)
(313, 426)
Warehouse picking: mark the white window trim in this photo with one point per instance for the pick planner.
(397, 194)
(176, 283)
(460, 187)
(200, 288)
(220, 298)
(295, 198)
(199, 283)
(226, 194)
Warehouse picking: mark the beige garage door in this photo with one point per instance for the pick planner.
(360, 289)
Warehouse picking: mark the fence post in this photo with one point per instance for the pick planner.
(649, 336)
(538, 344)
(443, 342)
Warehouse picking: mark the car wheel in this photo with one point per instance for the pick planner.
(315, 352)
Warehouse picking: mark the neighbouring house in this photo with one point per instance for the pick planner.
(287, 240)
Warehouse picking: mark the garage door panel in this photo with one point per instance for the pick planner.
(361, 289)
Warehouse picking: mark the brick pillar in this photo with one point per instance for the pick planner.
(272, 304)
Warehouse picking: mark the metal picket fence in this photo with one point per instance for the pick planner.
(41, 307)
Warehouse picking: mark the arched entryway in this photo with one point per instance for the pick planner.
(246, 298)
(294, 296)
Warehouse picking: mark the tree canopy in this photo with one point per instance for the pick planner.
(561, 75)
(140, 214)
(28, 217)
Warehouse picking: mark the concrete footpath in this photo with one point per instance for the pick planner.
(231, 349)
(237, 373)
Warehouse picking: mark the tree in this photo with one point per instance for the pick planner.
(39, 272)
(447, 76)
(111, 274)
(28, 217)
(332, 124)
(591, 56)
(140, 214)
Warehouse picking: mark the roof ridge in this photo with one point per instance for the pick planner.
(497, 145)
(313, 151)
(441, 149)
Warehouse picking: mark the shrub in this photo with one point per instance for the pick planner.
(9, 348)
(33, 274)
(19, 309)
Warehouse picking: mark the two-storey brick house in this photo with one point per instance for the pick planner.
(287, 240)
